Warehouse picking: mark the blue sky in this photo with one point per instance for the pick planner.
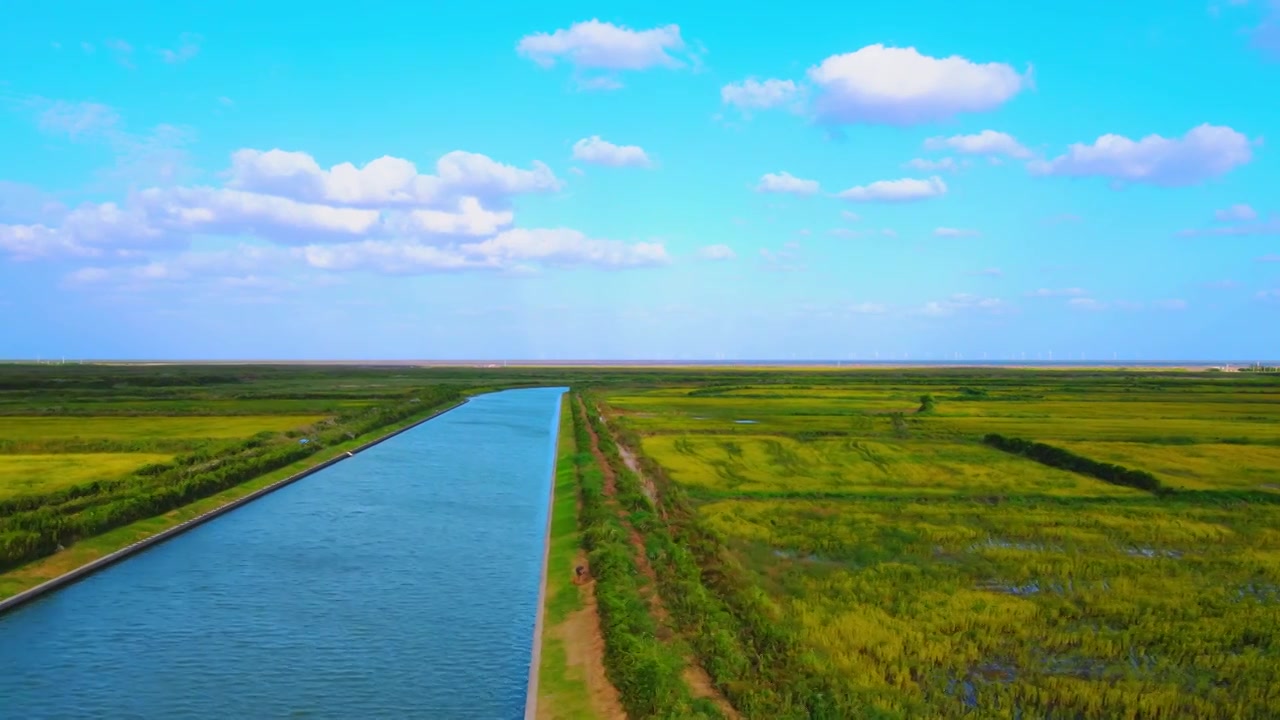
(640, 180)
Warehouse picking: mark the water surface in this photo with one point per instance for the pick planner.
(400, 583)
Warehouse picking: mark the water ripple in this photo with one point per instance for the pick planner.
(400, 583)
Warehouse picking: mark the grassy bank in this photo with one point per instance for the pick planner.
(563, 692)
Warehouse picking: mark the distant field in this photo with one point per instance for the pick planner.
(28, 474)
(147, 427)
(762, 464)
(1194, 467)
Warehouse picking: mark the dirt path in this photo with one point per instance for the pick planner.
(695, 676)
(584, 651)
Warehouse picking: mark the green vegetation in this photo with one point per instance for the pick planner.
(70, 478)
(777, 543)
(562, 686)
(884, 561)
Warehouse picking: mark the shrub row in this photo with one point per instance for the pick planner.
(1067, 460)
(34, 526)
(642, 668)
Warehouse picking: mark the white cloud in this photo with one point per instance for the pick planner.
(785, 182)
(1236, 212)
(850, 216)
(1062, 292)
(950, 232)
(900, 86)
(904, 190)
(1203, 153)
(602, 152)
(785, 260)
(717, 252)
(595, 45)
(752, 94)
(562, 246)
(987, 142)
(946, 164)
(867, 308)
(188, 47)
(964, 302)
(386, 180)
(1084, 303)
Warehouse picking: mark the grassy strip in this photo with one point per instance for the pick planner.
(31, 574)
(752, 653)
(562, 691)
(35, 526)
(642, 667)
(1067, 460)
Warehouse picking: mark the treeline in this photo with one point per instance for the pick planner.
(1067, 460)
(34, 526)
(645, 671)
(750, 650)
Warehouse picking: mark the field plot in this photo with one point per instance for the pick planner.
(921, 573)
(18, 428)
(27, 474)
(755, 464)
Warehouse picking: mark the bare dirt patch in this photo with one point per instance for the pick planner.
(584, 652)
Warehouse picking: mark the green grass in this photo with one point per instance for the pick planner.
(562, 690)
(762, 464)
(28, 474)
(923, 573)
(1201, 466)
(19, 428)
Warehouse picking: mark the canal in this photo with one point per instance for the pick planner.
(400, 583)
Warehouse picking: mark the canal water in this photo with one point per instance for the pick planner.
(400, 583)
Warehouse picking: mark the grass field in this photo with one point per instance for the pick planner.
(919, 573)
(27, 474)
(20, 428)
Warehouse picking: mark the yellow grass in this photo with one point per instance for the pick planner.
(148, 428)
(27, 474)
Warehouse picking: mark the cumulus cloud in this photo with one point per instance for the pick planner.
(904, 190)
(602, 152)
(717, 252)
(946, 164)
(595, 45)
(386, 180)
(785, 182)
(901, 86)
(987, 142)
(1203, 153)
(752, 94)
(383, 217)
(1235, 213)
(950, 232)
